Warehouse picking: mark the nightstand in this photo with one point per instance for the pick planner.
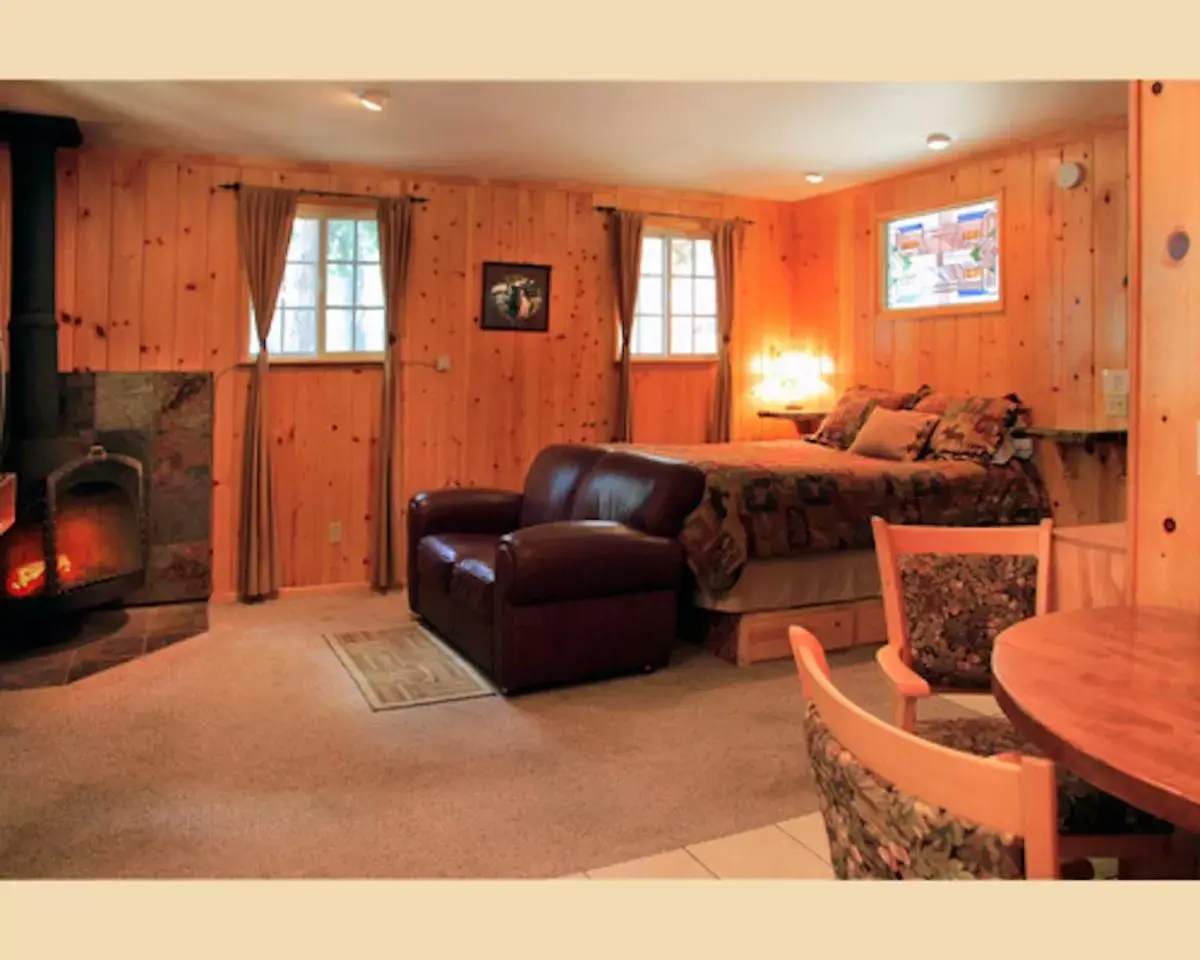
(804, 422)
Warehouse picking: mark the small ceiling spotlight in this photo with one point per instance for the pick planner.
(373, 99)
(814, 177)
(937, 141)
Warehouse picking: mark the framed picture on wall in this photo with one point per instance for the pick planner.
(947, 260)
(516, 296)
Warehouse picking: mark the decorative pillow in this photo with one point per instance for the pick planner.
(894, 434)
(971, 428)
(840, 427)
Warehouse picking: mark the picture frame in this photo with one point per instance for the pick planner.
(988, 295)
(515, 297)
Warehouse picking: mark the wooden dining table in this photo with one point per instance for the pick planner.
(1113, 695)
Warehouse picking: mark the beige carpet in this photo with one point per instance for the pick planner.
(246, 753)
(405, 666)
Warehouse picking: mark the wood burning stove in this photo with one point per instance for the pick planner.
(84, 543)
(80, 538)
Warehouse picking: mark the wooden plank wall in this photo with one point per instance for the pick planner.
(149, 279)
(1165, 478)
(1065, 311)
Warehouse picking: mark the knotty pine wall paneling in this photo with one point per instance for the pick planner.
(1165, 473)
(148, 278)
(1065, 317)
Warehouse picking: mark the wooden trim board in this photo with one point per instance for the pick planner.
(8, 501)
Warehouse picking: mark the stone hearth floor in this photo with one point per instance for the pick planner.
(107, 638)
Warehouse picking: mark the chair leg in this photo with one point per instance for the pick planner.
(904, 712)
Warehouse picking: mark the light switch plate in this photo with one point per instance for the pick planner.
(442, 364)
(1115, 382)
(335, 532)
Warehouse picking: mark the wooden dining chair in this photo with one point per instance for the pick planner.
(899, 807)
(947, 593)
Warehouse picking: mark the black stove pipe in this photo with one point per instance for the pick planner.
(33, 403)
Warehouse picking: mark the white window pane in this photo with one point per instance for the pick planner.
(681, 334)
(681, 295)
(339, 331)
(306, 241)
(339, 285)
(681, 257)
(369, 281)
(706, 297)
(648, 334)
(274, 338)
(339, 244)
(369, 331)
(368, 241)
(299, 332)
(652, 255)
(706, 334)
(650, 295)
(299, 286)
(704, 259)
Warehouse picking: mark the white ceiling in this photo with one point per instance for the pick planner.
(750, 139)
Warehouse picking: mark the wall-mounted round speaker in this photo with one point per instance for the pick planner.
(1070, 175)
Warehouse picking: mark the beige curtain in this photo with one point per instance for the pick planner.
(264, 221)
(627, 228)
(726, 241)
(395, 244)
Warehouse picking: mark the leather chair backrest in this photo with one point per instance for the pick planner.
(651, 494)
(552, 480)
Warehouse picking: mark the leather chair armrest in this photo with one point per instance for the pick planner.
(575, 559)
(463, 510)
(900, 676)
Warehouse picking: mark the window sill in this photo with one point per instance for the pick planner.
(305, 363)
(643, 361)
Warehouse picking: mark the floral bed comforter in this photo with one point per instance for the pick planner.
(787, 498)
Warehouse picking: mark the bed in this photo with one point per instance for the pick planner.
(782, 533)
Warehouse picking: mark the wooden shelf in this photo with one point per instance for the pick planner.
(8, 501)
(1085, 437)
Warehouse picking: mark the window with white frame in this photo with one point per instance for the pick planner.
(676, 312)
(331, 304)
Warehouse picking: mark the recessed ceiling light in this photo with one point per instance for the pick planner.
(373, 99)
(813, 177)
(937, 141)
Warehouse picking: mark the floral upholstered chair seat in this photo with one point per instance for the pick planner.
(877, 832)
(1083, 810)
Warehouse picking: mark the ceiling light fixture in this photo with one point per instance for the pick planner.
(373, 99)
(813, 177)
(937, 141)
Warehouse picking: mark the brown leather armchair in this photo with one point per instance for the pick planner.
(573, 579)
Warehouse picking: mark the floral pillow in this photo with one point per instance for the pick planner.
(971, 428)
(848, 415)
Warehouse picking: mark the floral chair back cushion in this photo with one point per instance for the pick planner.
(956, 606)
(877, 832)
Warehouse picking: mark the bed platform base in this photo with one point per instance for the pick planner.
(746, 638)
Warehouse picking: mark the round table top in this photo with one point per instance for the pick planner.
(1112, 694)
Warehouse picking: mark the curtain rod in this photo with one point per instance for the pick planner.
(674, 216)
(326, 193)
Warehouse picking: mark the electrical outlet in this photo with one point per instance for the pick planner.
(335, 532)
(1116, 405)
(442, 364)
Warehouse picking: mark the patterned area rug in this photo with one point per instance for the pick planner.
(405, 666)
